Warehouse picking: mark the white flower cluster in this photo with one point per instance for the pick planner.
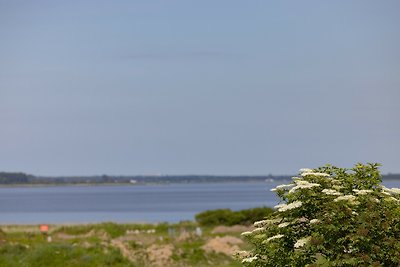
(362, 192)
(322, 174)
(275, 237)
(266, 222)
(282, 186)
(391, 191)
(255, 231)
(395, 191)
(301, 242)
(306, 172)
(285, 207)
(349, 198)
(246, 233)
(305, 183)
(376, 200)
(258, 230)
(331, 192)
(249, 259)
(301, 184)
(394, 199)
(284, 224)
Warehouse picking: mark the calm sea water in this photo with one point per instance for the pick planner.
(141, 203)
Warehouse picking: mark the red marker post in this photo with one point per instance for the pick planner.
(44, 228)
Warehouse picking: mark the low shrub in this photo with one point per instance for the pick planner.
(228, 217)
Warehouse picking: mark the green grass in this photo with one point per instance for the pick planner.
(42, 255)
(94, 245)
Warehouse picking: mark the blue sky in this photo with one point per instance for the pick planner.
(198, 87)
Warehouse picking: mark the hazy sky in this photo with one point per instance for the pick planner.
(198, 87)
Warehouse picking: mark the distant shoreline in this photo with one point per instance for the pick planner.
(126, 184)
(165, 182)
(12, 179)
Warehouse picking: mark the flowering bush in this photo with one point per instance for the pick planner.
(330, 216)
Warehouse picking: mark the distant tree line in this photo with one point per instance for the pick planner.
(22, 178)
(391, 176)
(15, 178)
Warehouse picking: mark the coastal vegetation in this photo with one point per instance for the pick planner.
(330, 216)
(129, 245)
